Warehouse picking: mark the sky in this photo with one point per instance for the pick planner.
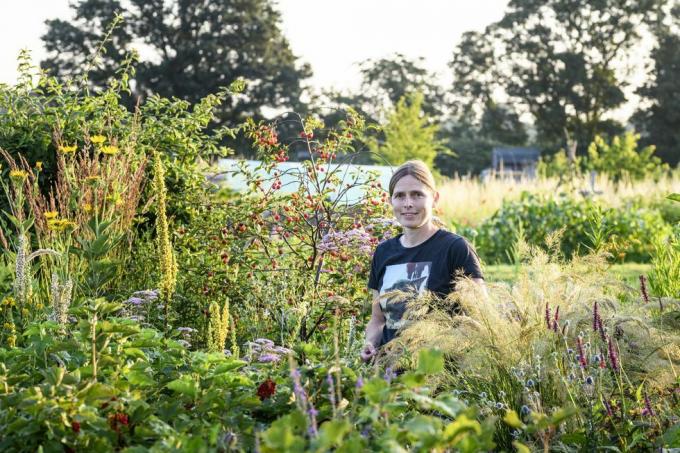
(331, 35)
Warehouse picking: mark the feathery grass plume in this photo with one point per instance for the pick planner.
(166, 257)
(491, 335)
(60, 297)
(218, 326)
(22, 283)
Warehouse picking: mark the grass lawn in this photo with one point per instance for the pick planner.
(628, 272)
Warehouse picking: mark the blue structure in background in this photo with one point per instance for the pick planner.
(226, 174)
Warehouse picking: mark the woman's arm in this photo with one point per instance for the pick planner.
(374, 328)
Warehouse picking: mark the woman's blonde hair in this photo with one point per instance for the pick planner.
(416, 168)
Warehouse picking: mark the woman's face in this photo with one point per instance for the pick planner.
(413, 202)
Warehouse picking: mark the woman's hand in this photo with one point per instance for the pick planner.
(368, 352)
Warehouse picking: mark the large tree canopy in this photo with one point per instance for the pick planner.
(558, 61)
(659, 122)
(188, 49)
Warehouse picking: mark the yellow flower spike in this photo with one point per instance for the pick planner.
(109, 150)
(97, 139)
(39, 165)
(67, 149)
(9, 301)
(49, 215)
(87, 207)
(18, 176)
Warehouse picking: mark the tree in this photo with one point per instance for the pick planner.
(659, 123)
(408, 134)
(191, 49)
(555, 60)
(387, 80)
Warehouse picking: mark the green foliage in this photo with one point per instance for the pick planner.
(621, 160)
(554, 60)
(659, 121)
(628, 234)
(664, 278)
(408, 134)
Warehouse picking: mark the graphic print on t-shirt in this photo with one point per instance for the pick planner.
(407, 277)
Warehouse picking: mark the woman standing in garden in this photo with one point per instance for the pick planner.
(423, 257)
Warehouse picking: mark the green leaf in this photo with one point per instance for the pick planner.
(140, 378)
(185, 386)
(520, 447)
(331, 434)
(674, 197)
(512, 419)
(460, 428)
(376, 389)
(671, 437)
(281, 435)
(134, 353)
(430, 361)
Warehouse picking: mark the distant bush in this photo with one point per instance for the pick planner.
(628, 234)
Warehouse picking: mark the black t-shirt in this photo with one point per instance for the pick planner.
(431, 265)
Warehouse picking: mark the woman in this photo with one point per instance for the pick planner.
(423, 257)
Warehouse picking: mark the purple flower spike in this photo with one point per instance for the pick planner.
(613, 356)
(547, 315)
(648, 410)
(389, 375)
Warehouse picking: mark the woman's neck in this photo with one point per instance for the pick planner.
(416, 236)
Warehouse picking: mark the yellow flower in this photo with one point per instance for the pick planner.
(9, 301)
(67, 149)
(92, 181)
(25, 312)
(97, 139)
(87, 207)
(8, 326)
(109, 150)
(39, 165)
(49, 215)
(60, 224)
(114, 198)
(39, 306)
(18, 175)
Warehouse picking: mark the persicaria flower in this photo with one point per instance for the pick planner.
(266, 390)
(613, 355)
(643, 289)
